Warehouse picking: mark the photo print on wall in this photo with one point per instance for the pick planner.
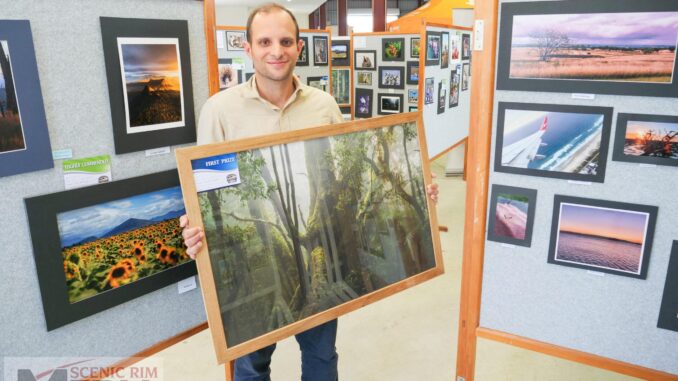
(414, 47)
(454, 89)
(24, 139)
(668, 312)
(432, 48)
(341, 86)
(363, 103)
(511, 215)
(365, 78)
(340, 53)
(619, 47)
(428, 90)
(149, 82)
(393, 49)
(390, 104)
(455, 42)
(391, 77)
(648, 139)
(465, 46)
(235, 40)
(228, 76)
(320, 51)
(445, 50)
(442, 96)
(465, 74)
(365, 60)
(558, 141)
(601, 235)
(319, 83)
(302, 60)
(412, 72)
(412, 96)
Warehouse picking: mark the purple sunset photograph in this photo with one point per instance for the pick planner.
(629, 47)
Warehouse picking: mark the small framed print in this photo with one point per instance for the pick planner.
(365, 78)
(390, 104)
(412, 109)
(668, 312)
(601, 235)
(465, 74)
(393, 49)
(320, 51)
(444, 50)
(511, 215)
(148, 67)
(319, 83)
(228, 76)
(363, 103)
(414, 47)
(341, 53)
(442, 97)
(235, 40)
(454, 89)
(433, 47)
(302, 60)
(428, 91)
(365, 60)
(465, 46)
(413, 72)
(412, 96)
(391, 77)
(648, 139)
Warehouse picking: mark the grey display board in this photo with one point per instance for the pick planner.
(374, 42)
(449, 128)
(68, 46)
(303, 72)
(603, 314)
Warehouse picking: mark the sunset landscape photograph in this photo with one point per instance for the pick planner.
(152, 81)
(655, 139)
(621, 47)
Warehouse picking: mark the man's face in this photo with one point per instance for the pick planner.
(274, 48)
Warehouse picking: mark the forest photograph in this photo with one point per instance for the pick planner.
(315, 224)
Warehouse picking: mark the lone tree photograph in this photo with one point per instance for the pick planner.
(315, 224)
(11, 133)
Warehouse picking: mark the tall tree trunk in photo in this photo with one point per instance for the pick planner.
(9, 81)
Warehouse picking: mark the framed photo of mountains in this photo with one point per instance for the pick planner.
(304, 226)
(148, 67)
(100, 246)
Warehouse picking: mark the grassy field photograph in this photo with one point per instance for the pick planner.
(11, 132)
(629, 47)
(109, 245)
(152, 80)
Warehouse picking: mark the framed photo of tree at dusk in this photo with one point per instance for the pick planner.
(148, 67)
(305, 226)
(623, 47)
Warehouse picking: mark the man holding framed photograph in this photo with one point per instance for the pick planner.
(272, 101)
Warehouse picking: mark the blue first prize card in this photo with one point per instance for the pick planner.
(216, 172)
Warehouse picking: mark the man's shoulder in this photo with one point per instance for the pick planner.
(227, 96)
(318, 96)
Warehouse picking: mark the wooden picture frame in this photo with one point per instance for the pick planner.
(511, 220)
(24, 139)
(646, 139)
(74, 274)
(616, 237)
(344, 45)
(391, 77)
(255, 154)
(364, 102)
(668, 312)
(148, 45)
(527, 155)
(541, 29)
(393, 49)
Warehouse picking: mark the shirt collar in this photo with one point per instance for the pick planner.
(252, 92)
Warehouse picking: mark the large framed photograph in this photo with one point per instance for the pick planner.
(364, 98)
(235, 40)
(341, 50)
(24, 139)
(365, 60)
(391, 77)
(389, 104)
(341, 85)
(558, 141)
(433, 47)
(148, 67)
(316, 228)
(302, 60)
(648, 139)
(100, 246)
(320, 51)
(623, 47)
(668, 312)
(412, 72)
(601, 235)
(511, 215)
(393, 49)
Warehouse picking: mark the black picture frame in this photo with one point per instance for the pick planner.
(441, 97)
(465, 74)
(465, 46)
(383, 70)
(380, 104)
(668, 312)
(42, 214)
(445, 50)
(360, 58)
(360, 110)
(415, 42)
(413, 96)
(318, 79)
(453, 100)
(594, 86)
(303, 59)
(411, 65)
(31, 149)
(386, 51)
(320, 56)
(236, 74)
(432, 57)
(517, 154)
(599, 215)
(346, 61)
(501, 231)
(413, 109)
(113, 28)
(654, 150)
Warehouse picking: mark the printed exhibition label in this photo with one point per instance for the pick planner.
(216, 172)
(93, 170)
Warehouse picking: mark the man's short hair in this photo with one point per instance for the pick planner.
(268, 8)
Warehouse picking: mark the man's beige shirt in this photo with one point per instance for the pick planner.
(240, 112)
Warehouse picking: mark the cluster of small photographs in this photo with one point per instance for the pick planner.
(447, 50)
(388, 77)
